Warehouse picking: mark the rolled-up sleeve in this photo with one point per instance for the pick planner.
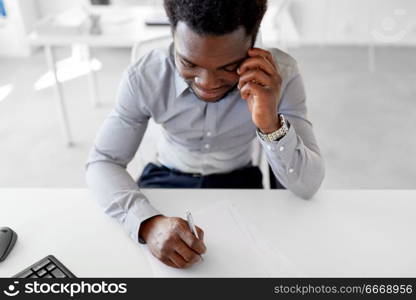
(296, 159)
(114, 147)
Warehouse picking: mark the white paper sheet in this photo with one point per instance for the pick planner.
(277, 263)
(230, 250)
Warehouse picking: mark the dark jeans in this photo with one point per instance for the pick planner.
(154, 176)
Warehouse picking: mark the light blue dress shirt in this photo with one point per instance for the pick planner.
(196, 137)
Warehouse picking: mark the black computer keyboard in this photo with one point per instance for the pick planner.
(48, 267)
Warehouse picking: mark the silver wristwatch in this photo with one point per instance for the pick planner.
(276, 135)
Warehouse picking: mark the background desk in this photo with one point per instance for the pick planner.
(338, 233)
(123, 35)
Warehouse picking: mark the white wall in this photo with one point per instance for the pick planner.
(355, 21)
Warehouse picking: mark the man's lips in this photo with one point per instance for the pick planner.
(209, 94)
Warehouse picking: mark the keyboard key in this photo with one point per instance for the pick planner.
(50, 267)
(58, 273)
(40, 265)
(41, 272)
(47, 276)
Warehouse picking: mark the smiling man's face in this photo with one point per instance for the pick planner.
(209, 63)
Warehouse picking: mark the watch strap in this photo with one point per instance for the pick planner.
(275, 135)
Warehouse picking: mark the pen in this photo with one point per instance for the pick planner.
(191, 225)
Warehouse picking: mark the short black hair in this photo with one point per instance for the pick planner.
(217, 17)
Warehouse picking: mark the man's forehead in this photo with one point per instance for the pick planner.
(220, 49)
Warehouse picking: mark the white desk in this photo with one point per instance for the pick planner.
(338, 233)
(116, 35)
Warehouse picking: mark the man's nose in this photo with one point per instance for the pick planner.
(207, 80)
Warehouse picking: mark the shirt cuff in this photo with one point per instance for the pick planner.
(284, 147)
(141, 211)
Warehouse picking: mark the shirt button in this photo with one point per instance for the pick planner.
(207, 146)
(209, 133)
(291, 170)
(281, 148)
(271, 148)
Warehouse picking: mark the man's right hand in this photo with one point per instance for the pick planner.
(172, 242)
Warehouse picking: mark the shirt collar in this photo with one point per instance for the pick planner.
(180, 84)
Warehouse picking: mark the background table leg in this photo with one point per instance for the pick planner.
(50, 58)
(92, 79)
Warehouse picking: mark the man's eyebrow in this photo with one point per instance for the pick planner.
(224, 66)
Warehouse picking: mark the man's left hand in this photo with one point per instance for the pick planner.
(260, 84)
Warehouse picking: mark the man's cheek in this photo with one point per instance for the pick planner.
(230, 78)
(234, 80)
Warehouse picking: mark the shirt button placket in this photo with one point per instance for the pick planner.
(207, 137)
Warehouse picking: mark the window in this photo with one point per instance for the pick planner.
(2, 9)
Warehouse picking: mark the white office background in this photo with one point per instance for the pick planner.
(358, 58)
